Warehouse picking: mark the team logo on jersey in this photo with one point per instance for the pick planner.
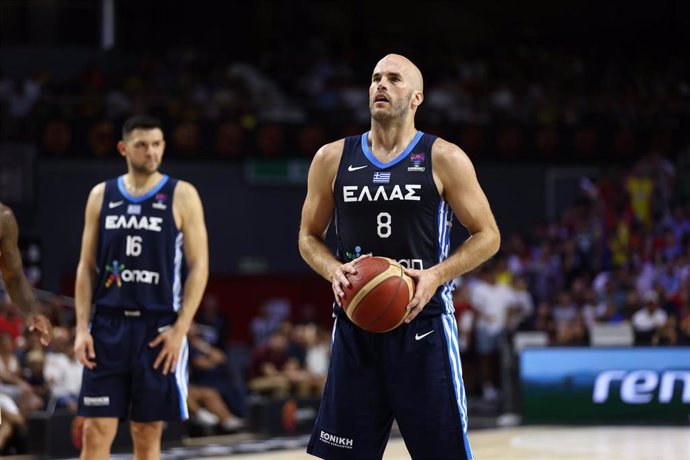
(115, 277)
(353, 255)
(417, 160)
(160, 198)
(382, 177)
(118, 275)
(134, 209)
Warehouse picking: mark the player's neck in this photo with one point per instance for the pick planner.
(389, 140)
(139, 184)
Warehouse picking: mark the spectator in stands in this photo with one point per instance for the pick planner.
(684, 325)
(493, 302)
(212, 323)
(649, 320)
(317, 356)
(544, 273)
(572, 333)
(272, 371)
(13, 427)
(12, 383)
(209, 368)
(207, 408)
(271, 314)
(544, 321)
(10, 319)
(63, 370)
(523, 306)
(35, 376)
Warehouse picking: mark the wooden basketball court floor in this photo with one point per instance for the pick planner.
(545, 443)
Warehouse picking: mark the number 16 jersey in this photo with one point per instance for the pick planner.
(393, 210)
(140, 255)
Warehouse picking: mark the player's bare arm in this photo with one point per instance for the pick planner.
(13, 275)
(457, 182)
(86, 275)
(317, 212)
(189, 217)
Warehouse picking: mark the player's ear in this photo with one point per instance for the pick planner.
(121, 148)
(417, 99)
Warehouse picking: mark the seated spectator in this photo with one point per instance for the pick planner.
(209, 368)
(272, 371)
(649, 320)
(63, 370)
(684, 326)
(11, 382)
(35, 376)
(271, 314)
(12, 427)
(317, 359)
(211, 322)
(573, 333)
(10, 320)
(207, 408)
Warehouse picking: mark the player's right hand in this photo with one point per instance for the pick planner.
(339, 278)
(84, 350)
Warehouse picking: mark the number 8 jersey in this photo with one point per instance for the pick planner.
(139, 257)
(393, 209)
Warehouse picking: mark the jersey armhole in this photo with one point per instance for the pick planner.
(430, 173)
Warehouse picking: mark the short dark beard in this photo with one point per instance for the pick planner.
(398, 111)
(143, 170)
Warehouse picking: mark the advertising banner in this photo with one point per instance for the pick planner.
(606, 385)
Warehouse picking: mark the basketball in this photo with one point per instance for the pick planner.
(378, 294)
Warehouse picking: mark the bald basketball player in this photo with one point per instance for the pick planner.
(391, 192)
(13, 277)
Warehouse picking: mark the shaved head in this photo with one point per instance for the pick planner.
(405, 67)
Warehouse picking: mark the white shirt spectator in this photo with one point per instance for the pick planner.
(492, 301)
(646, 320)
(63, 374)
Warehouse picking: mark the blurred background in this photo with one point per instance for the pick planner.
(575, 113)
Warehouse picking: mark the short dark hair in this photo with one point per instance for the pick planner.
(140, 122)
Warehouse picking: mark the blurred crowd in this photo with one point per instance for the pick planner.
(619, 255)
(534, 99)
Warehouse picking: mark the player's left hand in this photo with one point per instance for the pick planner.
(170, 352)
(426, 284)
(41, 324)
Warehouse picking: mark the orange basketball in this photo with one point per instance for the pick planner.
(378, 294)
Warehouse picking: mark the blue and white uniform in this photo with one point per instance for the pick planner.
(413, 373)
(137, 295)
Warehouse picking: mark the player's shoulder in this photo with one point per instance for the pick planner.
(97, 191)
(6, 217)
(445, 152)
(186, 196)
(328, 156)
(331, 150)
(5, 211)
(184, 186)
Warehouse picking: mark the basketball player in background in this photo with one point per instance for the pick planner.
(393, 190)
(16, 284)
(133, 308)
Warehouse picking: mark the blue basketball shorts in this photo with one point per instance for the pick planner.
(411, 374)
(124, 383)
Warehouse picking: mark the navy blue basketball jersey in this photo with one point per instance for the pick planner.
(393, 209)
(139, 256)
